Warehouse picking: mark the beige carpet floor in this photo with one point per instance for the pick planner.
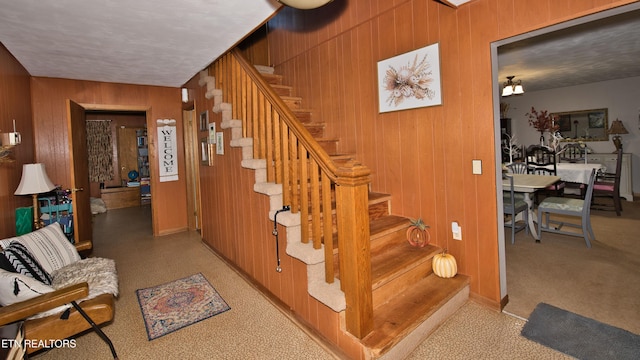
(602, 282)
(254, 328)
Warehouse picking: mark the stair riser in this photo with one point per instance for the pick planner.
(273, 79)
(330, 146)
(316, 131)
(378, 210)
(282, 90)
(303, 116)
(292, 102)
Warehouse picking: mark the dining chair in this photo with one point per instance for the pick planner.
(541, 160)
(568, 207)
(517, 168)
(608, 185)
(573, 153)
(512, 205)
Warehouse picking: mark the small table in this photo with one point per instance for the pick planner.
(529, 184)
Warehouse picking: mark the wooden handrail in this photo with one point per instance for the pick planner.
(308, 174)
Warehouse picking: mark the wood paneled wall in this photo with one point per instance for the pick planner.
(235, 223)
(50, 130)
(421, 156)
(15, 103)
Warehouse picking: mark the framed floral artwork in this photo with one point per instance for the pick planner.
(410, 80)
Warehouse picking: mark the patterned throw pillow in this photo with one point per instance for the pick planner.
(15, 288)
(48, 245)
(22, 261)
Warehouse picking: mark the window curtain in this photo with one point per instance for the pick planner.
(99, 147)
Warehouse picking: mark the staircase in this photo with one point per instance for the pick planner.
(407, 301)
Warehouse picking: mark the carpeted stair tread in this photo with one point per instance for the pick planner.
(403, 314)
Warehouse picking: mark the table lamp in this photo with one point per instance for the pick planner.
(616, 129)
(34, 181)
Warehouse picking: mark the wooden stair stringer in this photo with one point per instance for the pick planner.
(329, 294)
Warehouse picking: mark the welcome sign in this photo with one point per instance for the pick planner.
(167, 150)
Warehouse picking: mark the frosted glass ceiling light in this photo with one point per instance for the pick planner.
(512, 87)
(305, 4)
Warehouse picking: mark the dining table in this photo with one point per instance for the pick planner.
(577, 172)
(528, 184)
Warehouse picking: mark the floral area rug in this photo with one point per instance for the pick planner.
(177, 304)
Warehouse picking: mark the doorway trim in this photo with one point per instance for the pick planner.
(152, 157)
(502, 262)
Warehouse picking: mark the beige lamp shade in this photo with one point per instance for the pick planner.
(617, 127)
(34, 180)
(305, 4)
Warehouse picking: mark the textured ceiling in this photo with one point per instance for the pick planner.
(151, 42)
(166, 42)
(600, 50)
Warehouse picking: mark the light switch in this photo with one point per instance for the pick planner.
(477, 167)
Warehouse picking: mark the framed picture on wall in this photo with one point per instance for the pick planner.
(596, 119)
(204, 120)
(410, 80)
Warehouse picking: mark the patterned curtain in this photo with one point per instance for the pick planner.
(100, 150)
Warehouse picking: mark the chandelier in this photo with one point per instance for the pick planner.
(512, 87)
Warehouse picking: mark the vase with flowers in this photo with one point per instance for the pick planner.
(542, 121)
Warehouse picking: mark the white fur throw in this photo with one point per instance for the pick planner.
(99, 273)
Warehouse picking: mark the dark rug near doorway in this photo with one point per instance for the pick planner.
(579, 336)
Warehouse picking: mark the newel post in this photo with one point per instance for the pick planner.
(354, 248)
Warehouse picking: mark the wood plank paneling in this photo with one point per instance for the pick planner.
(431, 177)
(15, 103)
(50, 134)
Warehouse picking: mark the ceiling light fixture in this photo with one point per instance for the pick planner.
(304, 4)
(512, 87)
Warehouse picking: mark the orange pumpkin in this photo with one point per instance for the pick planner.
(417, 233)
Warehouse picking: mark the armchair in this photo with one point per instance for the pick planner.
(79, 297)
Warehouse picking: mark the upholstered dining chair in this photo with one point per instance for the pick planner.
(541, 160)
(568, 206)
(514, 204)
(608, 185)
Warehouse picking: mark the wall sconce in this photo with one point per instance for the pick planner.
(512, 87)
(185, 95)
(34, 181)
(616, 129)
(304, 4)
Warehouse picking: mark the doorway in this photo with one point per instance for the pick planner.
(130, 183)
(495, 47)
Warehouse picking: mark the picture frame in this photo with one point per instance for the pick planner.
(583, 125)
(596, 119)
(204, 120)
(410, 80)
